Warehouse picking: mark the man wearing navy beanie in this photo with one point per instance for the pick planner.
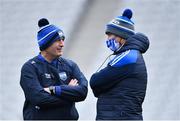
(121, 86)
(51, 83)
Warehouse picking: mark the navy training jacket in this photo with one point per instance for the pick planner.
(40, 105)
(121, 86)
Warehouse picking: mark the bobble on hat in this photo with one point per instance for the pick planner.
(48, 34)
(122, 26)
(43, 22)
(127, 13)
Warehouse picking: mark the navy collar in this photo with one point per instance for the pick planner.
(53, 63)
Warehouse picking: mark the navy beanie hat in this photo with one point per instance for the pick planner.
(121, 26)
(48, 34)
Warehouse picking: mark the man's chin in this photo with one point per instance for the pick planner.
(59, 54)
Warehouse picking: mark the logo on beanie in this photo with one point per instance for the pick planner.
(115, 21)
(60, 33)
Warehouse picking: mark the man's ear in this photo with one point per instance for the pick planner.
(122, 41)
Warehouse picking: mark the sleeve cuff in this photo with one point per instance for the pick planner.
(58, 90)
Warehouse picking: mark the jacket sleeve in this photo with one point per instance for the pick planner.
(108, 77)
(75, 93)
(118, 69)
(34, 92)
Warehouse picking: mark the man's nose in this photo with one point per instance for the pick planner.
(61, 42)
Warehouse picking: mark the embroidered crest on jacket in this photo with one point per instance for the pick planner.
(63, 76)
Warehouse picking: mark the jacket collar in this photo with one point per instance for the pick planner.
(42, 59)
(138, 42)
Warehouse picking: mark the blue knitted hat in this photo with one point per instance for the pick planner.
(121, 26)
(48, 34)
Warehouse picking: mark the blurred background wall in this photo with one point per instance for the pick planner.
(83, 22)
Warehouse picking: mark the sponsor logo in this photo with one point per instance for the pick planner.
(48, 76)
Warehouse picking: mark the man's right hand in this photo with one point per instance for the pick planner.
(73, 82)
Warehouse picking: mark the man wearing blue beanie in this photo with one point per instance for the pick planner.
(51, 84)
(121, 86)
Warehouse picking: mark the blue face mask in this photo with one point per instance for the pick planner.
(113, 44)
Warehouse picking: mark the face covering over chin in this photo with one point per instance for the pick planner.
(113, 45)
